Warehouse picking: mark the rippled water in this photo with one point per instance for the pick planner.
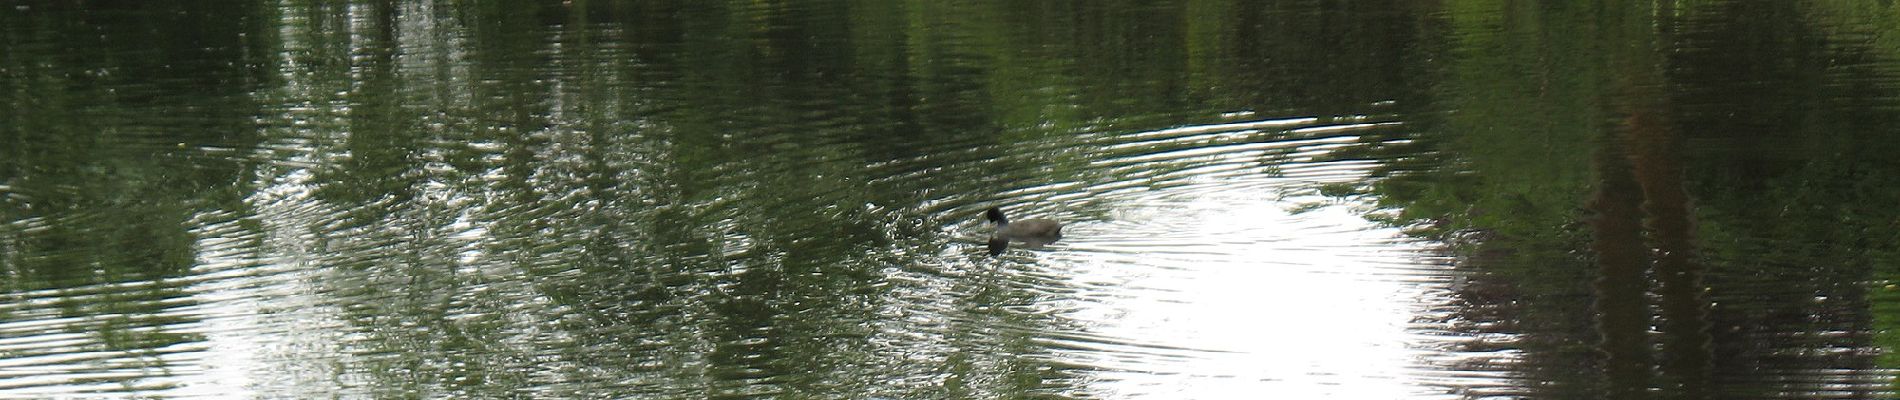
(1461, 199)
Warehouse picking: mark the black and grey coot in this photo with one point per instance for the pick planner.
(1035, 232)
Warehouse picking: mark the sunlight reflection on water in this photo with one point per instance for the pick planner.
(1215, 292)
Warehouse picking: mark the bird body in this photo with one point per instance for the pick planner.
(1035, 232)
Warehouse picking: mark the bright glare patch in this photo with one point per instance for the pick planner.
(1228, 295)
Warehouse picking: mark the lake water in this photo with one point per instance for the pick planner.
(784, 199)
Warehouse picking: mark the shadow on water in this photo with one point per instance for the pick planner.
(769, 199)
(1701, 265)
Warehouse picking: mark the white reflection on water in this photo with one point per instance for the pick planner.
(1222, 292)
(1302, 305)
(265, 325)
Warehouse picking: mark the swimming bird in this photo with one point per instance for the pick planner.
(1036, 231)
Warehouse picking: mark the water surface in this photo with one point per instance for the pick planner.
(1387, 199)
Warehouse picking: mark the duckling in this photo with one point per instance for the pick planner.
(1036, 232)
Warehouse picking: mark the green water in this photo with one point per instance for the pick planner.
(705, 199)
